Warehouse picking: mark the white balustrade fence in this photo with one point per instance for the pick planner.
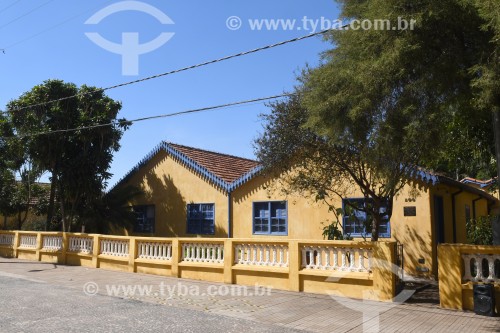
(116, 248)
(52, 243)
(481, 267)
(154, 250)
(200, 252)
(81, 245)
(27, 241)
(261, 255)
(7, 240)
(337, 258)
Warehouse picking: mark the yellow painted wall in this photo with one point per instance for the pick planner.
(455, 293)
(305, 217)
(170, 187)
(414, 232)
(304, 214)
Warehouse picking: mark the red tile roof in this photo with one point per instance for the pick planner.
(227, 167)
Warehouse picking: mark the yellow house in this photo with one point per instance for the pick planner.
(189, 192)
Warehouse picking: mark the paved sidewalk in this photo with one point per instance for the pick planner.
(196, 306)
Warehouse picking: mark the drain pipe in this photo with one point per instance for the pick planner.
(474, 207)
(454, 214)
(229, 213)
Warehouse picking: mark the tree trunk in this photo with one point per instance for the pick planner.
(496, 129)
(50, 212)
(377, 219)
(61, 206)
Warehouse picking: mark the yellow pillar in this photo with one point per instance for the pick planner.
(15, 246)
(132, 254)
(96, 246)
(450, 276)
(176, 257)
(294, 265)
(65, 247)
(228, 261)
(384, 271)
(39, 245)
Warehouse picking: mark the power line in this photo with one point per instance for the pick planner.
(11, 5)
(53, 27)
(267, 47)
(167, 115)
(25, 14)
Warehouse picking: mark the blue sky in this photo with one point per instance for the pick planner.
(33, 54)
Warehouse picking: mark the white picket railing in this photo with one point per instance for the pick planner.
(52, 243)
(81, 245)
(337, 258)
(261, 255)
(200, 252)
(115, 248)
(7, 240)
(154, 250)
(27, 241)
(481, 267)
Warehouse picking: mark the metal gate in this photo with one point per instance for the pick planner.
(400, 267)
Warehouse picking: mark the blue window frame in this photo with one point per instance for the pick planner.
(144, 219)
(270, 218)
(201, 219)
(357, 223)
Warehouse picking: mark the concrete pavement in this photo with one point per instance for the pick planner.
(42, 297)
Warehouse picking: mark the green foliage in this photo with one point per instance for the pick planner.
(79, 160)
(480, 230)
(111, 212)
(312, 163)
(381, 102)
(333, 230)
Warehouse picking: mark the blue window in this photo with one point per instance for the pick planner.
(270, 218)
(358, 224)
(201, 219)
(144, 219)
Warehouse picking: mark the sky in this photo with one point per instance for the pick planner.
(47, 39)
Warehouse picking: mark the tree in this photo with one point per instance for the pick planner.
(310, 162)
(9, 162)
(77, 160)
(382, 100)
(27, 195)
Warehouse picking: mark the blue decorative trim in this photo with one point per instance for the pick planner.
(416, 173)
(245, 178)
(423, 175)
(139, 165)
(191, 164)
(196, 167)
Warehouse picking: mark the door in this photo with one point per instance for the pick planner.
(439, 219)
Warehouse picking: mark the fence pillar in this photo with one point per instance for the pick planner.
(132, 254)
(229, 256)
(65, 247)
(96, 249)
(15, 246)
(176, 257)
(450, 276)
(294, 265)
(384, 271)
(39, 245)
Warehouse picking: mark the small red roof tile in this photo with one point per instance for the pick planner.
(227, 167)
